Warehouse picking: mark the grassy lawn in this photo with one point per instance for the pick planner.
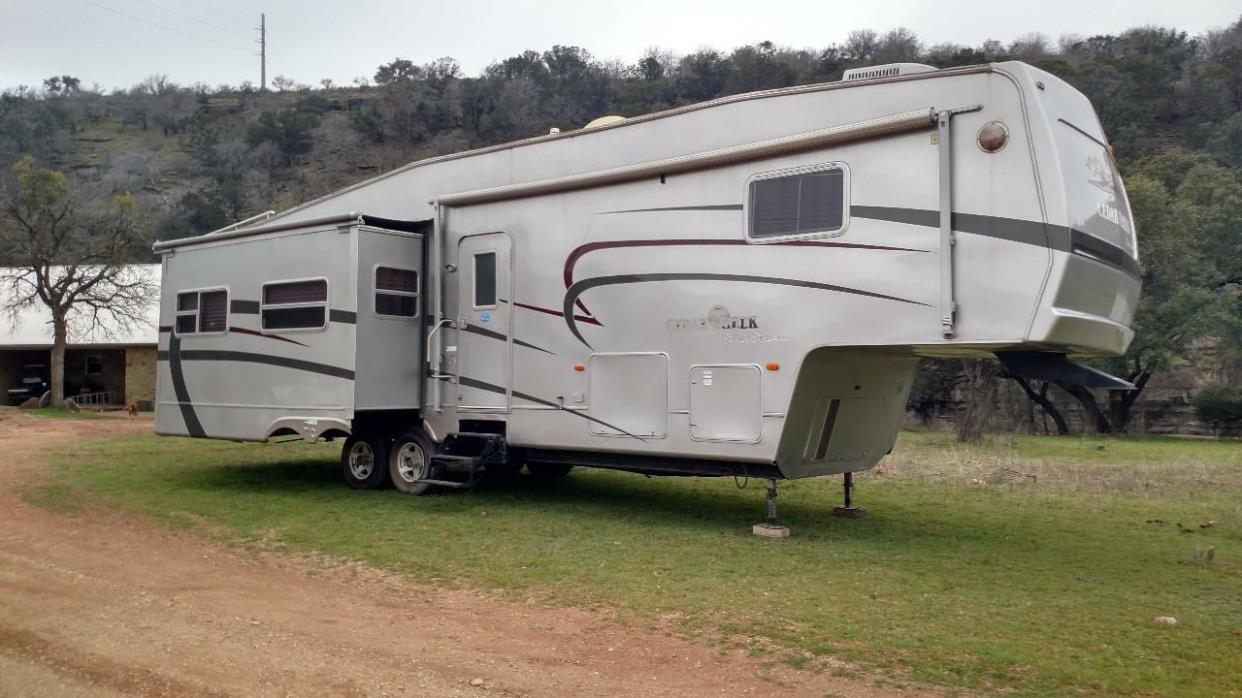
(1026, 565)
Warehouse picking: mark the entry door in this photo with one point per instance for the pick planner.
(484, 323)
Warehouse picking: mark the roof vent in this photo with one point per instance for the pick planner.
(889, 70)
(604, 121)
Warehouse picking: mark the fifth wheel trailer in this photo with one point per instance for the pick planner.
(738, 287)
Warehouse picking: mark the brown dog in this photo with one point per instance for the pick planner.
(133, 409)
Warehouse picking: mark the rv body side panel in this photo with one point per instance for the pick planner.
(249, 382)
(389, 359)
(664, 267)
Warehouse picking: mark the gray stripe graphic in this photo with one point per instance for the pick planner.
(245, 307)
(719, 207)
(248, 357)
(580, 287)
(492, 388)
(192, 426)
(484, 332)
(1057, 237)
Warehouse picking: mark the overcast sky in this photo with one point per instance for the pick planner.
(119, 42)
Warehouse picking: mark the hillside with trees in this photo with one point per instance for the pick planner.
(196, 157)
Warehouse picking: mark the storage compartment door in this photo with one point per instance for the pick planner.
(629, 394)
(725, 403)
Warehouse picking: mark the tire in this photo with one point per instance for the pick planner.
(363, 463)
(548, 471)
(409, 460)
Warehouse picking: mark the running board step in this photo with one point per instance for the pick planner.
(452, 484)
(488, 448)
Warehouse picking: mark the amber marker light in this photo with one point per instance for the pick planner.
(579, 368)
(773, 366)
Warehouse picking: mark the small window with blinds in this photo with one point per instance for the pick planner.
(796, 204)
(485, 280)
(396, 292)
(294, 305)
(202, 311)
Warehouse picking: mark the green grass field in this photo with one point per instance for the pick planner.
(1025, 566)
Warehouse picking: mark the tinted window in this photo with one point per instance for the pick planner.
(400, 306)
(393, 279)
(396, 292)
(187, 324)
(294, 305)
(187, 301)
(485, 279)
(800, 204)
(296, 292)
(94, 365)
(213, 311)
(294, 318)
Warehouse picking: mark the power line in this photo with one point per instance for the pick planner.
(192, 19)
(226, 15)
(166, 27)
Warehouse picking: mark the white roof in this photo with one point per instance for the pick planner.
(34, 325)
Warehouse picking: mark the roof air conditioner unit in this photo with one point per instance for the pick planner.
(888, 70)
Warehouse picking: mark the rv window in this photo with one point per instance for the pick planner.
(800, 204)
(295, 305)
(213, 311)
(202, 312)
(485, 280)
(187, 312)
(396, 292)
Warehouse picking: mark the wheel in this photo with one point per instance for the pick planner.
(410, 460)
(362, 462)
(548, 471)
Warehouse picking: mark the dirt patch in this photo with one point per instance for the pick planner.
(101, 604)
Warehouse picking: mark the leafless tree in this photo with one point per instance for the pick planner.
(860, 45)
(70, 256)
(979, 392)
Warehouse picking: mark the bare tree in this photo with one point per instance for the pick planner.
(979, 392)
(860, 46)
(71, 257)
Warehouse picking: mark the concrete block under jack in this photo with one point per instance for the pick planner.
(849, 512)
(770, 531)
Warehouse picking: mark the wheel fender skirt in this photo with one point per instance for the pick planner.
(1055, 367)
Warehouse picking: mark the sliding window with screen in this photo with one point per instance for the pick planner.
(794, 204)
(202, 312)
(294, 305)
(396, 292)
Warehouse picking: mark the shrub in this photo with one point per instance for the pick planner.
(1219, 407)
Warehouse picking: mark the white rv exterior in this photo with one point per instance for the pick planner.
(743, 286)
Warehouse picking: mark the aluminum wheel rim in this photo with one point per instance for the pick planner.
(361, 460)
(411, 462)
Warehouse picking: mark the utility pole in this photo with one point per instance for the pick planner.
(262, 52)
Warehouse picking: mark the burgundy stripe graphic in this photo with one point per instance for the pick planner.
(243, 330)
(579, 252)
(548, 311)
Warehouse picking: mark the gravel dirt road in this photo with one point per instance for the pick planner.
(102, 604)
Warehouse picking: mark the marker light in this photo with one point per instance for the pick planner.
(579, 368)
(993, 136)
(773, 366)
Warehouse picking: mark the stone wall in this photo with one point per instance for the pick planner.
(140, 375)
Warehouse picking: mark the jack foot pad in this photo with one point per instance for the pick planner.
(849, 512)
(770, 531)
